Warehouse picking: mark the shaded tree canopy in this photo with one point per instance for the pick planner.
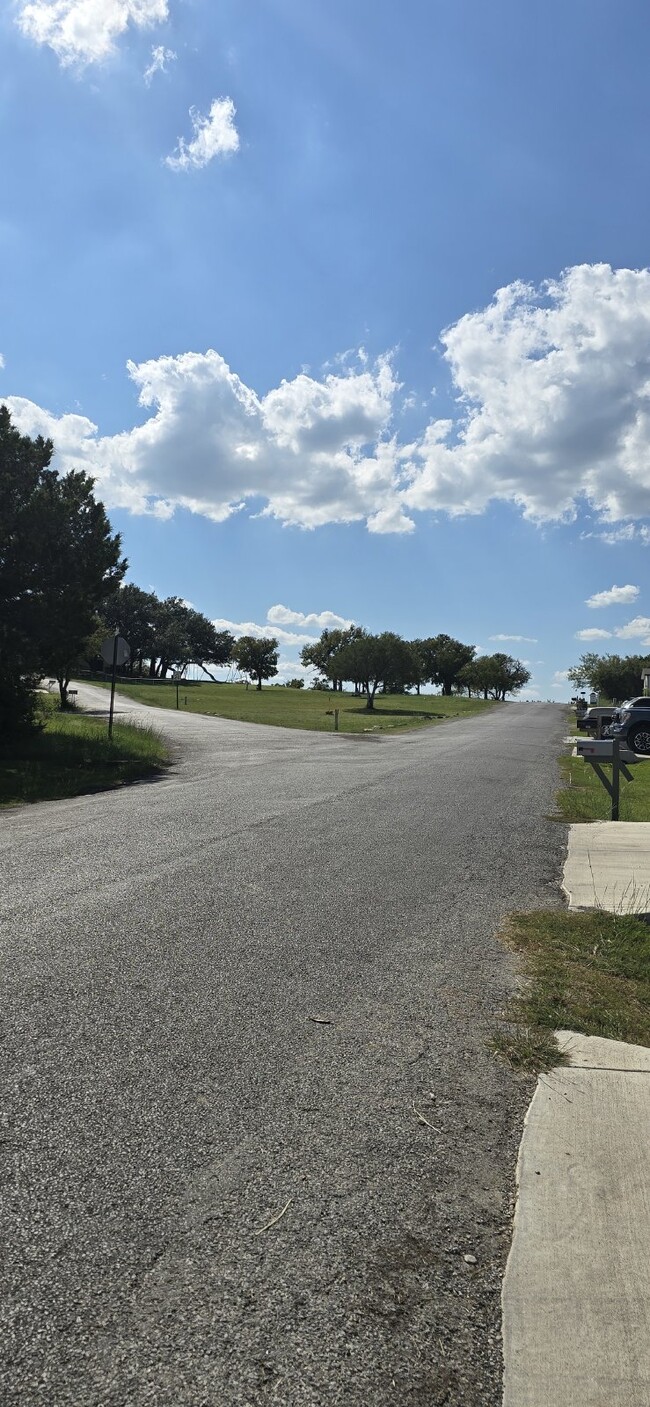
(615, 677)
(59, 565)
(258, 658)
(371, 660)
(321, 651)
(167, 634)
(495, 675)
(443, 658)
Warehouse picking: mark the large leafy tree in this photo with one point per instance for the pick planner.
(495, 675)
(615, 677)
(206, 644)
(133, 612)
(168, 634)
(59, 564)
(372, 660)
(322, 650)
(443, 658)
(258, 658)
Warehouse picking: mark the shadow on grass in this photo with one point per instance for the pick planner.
(394, 712)
(71, 757)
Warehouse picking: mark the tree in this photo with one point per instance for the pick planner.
(321, 651)
(477, 676)
(59, 564)
(443, 658)
(369, 660)
(509, 675)
(169, 634)
(206, 644)
(133, 612)
(615, 677)
(255, 657)
(420, 676)
(496, 674)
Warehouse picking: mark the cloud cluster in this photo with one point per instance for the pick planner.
(636, 629)
(264, 632)
(290, 641)
(615, 596)
(214, 135)
(85, 31)
(309, 452)
(554, 394)
(320, 620)
(553, 391)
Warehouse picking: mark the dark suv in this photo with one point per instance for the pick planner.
(631, 725)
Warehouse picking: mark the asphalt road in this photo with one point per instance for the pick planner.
(169, 1091)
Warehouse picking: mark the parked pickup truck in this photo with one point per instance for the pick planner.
(596, 718)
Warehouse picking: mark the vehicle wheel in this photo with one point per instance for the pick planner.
(639, 739)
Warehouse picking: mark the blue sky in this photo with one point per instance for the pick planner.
(346, 305)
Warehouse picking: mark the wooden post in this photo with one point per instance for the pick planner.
(336, 720)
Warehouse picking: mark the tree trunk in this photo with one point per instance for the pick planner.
(370, 704)
(63, 682)
(259, 681)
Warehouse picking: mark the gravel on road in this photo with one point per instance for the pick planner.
(255, 1147)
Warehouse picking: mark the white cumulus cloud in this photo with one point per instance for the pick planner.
(615, 596)
(310, 451)
(214, 135)
(635, 629)
(554, 389)
(321, 620)
(85, 31)
(264, 632)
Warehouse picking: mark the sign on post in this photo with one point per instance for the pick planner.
(115, 646)
(114, 651)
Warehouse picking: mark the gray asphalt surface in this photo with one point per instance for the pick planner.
(168, 1091)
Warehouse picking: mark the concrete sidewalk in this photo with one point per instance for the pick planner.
(576, 1295)
(608, 867)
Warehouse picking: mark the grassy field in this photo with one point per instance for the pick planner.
(306, 708)
(585, 972)
(583, 797)
(71, 754)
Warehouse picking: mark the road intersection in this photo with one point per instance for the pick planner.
(257, 1148)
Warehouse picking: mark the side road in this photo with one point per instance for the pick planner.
(576, 1298)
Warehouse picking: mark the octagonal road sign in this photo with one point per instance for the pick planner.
(123, 654)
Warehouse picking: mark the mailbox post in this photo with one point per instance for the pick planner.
(606, 750)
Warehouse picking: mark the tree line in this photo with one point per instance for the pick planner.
(62, 592)
(615, 677)
(387, 662)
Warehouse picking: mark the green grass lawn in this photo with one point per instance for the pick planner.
(583, 797)
(585, 972)
(307, 708)
(71, 754)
